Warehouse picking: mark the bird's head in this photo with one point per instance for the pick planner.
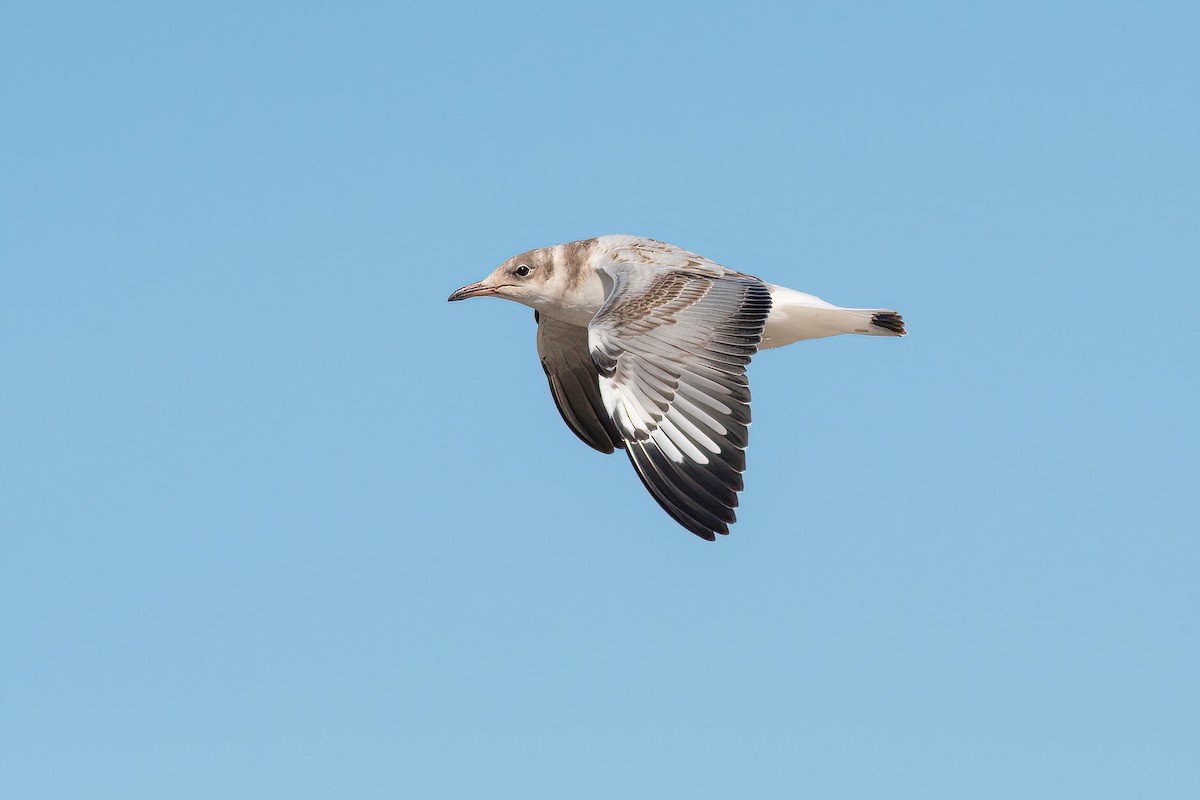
(522, 278)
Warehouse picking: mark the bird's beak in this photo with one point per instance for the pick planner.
(472, 290)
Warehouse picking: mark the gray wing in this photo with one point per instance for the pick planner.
(571, 373)
(671, 347)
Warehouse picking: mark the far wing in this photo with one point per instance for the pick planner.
(571, 373)
(671, 347)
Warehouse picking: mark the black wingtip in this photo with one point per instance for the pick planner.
(704, 522)
(889, 321)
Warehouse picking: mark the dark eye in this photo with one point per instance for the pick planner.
(521, 271)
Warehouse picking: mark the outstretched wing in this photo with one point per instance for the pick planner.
(571, 373)
(671, 347)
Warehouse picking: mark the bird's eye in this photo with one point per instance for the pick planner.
(521, 271)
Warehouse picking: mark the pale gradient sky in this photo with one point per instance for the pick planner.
(278, 521)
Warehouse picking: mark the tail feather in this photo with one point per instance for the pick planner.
(796, 316)
(890, 321)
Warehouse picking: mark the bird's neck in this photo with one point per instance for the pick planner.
(577, 293)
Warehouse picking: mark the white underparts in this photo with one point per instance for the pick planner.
(796, 316)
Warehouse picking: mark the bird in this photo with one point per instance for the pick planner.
(645, 347)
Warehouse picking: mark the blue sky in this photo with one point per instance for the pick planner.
(278, 521)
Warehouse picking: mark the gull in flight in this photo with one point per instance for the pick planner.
(645, 346)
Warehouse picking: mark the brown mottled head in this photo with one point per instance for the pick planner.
(521, 278)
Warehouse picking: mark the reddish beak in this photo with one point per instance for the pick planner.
(471, 290)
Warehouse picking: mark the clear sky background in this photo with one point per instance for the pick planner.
(278, 521)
